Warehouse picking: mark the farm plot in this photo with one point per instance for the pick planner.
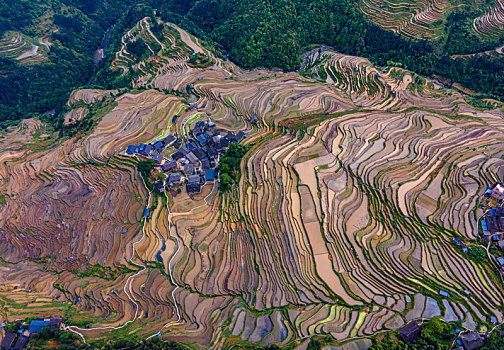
(412, 19)
(491, 24)
(152, 48)
(21, 48)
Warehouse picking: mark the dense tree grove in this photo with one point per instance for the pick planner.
(36, 89)
(265, 33)
(49, 337)
(436, 335)
(229, 165)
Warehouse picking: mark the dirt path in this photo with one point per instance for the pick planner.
(126, 288)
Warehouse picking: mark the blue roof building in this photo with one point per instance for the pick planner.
(37, 325)
(443, 293)
(484, 225)
(493, 319)
(146, 212)
(378, 75)
(132, 149)
(210, 175)
(488, 192)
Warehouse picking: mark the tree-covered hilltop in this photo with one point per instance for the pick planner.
(253, 33)
(76, 29)
(273, 33)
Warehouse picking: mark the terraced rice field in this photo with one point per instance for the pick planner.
(24, 49)
(491, 24)
(356, 181)
(170, 52)
(425, 19)
(412, 19)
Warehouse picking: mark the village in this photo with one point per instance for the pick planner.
(19, 338)
(195, 158)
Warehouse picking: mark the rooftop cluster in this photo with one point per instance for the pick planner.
(195, 159)
(18, 340)
(493, 221)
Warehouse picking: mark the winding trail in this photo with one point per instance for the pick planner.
(126, 287)
(170, 272)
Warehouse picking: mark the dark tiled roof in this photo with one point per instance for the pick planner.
(200, 154)
(472, 340)
(191, 157)
(55, 322)
(168, 140)
(159, 187)
(193, 188)
(21, 342)
(177, 155)
(205, 164)
(188, 169)
(157, 146)
(492, 223)
(410, 332)
(499, 211)
(239, 136)
(169, 165)
(193, 179)
(212, 153)
(192, 146)
(8, 340)
(174, 177)
(184, 150)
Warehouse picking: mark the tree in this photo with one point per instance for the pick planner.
(145, 167)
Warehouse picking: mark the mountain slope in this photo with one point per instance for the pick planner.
(340, 227)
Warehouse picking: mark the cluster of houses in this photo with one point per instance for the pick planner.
(195, 159)
(18, 340)
(493, 221)
(466, 341)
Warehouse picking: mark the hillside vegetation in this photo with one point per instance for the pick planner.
(47, 46)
